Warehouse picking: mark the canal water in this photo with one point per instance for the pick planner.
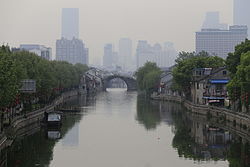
(120, 129)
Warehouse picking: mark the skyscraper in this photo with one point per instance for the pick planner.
(70, 48)
(109, 57)
(125, 54)
(70, 23)
(242, 13)
(220, 42)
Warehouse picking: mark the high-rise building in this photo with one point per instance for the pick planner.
(125, 54)
(163, 57)
(108, 56)
(70, 48)
(72, 51)
(212, 20)
(70, 23)
(220, 42)
(40, 50)
(242, 13)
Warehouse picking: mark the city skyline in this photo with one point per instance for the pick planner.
(100, 24)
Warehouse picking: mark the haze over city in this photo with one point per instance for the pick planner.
(101, 22)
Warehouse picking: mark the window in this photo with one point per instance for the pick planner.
(198, 85)
(224, 72)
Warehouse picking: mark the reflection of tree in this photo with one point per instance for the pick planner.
(33, 150)
(36, 150)
(182, 140)
(148, 113)
(239, 154)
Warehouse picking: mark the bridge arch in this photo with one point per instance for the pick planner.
(130, 82)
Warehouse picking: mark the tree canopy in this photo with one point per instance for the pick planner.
(239, 86)
(50, 76)
(148, 77)
(233, 59)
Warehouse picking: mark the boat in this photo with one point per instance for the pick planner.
(53, 119)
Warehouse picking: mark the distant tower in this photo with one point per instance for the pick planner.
(125, 54)
(108, 56)
(242, 13)
(70, 23)
(70, 48)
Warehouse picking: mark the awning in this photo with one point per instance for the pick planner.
(214, 98)
(219, 81)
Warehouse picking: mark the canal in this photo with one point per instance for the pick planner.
(119, 129)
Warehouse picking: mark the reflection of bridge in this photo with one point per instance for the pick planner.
(130, 81)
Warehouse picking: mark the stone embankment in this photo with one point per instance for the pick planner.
(233, 120)
(20, 124)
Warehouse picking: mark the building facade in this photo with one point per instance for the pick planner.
(70, 23)
(209, 86)
(242, 13)
(40, 50)
(72, 51)
(220, 42)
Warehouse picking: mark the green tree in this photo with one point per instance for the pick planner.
(233, 59)
(9, 83)
(239, 86)
(148, 76)
(49, 75)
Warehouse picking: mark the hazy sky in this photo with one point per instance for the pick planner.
(105, 21)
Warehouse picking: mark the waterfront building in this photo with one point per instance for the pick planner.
(72, 51)
(242, 12)
(40, 50)
(220, 42)
(125, 59)
(163, 57)
(209, 86)
(70, 23)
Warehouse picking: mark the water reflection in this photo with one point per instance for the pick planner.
(148, 113)
(110, 135)
(195, 137)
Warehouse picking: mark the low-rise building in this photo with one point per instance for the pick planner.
(209, 86)
(40, 50)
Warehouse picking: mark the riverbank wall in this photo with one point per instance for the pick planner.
(235, 120)
(20, 123)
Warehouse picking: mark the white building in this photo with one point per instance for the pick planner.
(242, 12)
(70, 23)
(125, 59)
(163, 57)
(40, 50)
(220, 42)
(72, 51)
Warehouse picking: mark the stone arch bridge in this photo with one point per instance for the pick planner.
(130, 81)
